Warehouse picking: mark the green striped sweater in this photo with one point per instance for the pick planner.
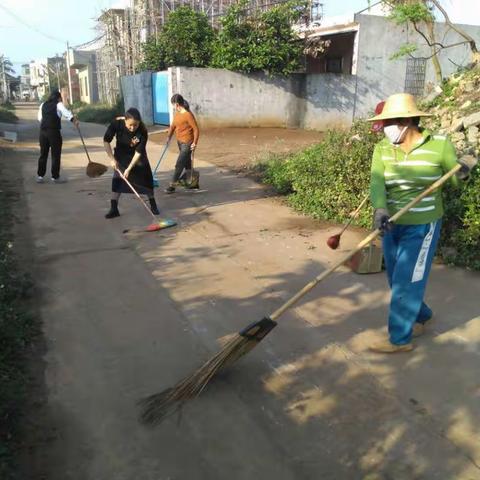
(398, 177)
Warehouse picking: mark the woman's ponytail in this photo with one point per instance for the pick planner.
(179, 100)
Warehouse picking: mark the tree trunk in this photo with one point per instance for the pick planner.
(468, 38)
(435, 60)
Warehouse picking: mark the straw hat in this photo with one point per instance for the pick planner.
(400, 105)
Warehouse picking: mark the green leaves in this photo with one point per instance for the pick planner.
(186, 40)
(404, 12)
(404, 50)
(328, 181)
(247, 41)
(259, 41)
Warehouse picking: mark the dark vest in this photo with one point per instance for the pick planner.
(50, 119)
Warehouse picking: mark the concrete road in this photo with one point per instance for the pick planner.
(128, 315)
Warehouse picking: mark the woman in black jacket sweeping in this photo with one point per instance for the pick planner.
(50, 138)
(130, 157)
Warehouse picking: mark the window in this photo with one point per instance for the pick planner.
(86, 86)
(316, 11)
(81, 89)
(415, 76)
(334, 65)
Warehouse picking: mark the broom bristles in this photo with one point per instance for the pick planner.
(157, 407)
(95, 170)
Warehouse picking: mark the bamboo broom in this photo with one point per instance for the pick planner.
(157, 407)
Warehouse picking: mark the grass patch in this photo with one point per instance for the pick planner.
(17, 329)
(100, 113)
(7, 116)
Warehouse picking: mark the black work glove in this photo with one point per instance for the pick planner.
(467, 162)
(381, 220)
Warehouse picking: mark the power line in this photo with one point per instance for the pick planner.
(31, 27)
(90, 42)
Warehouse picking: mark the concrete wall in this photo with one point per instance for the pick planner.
(230, 99)
(379, 77)
(84, 82)
(220, 98)
(137, 92)
(329, 101)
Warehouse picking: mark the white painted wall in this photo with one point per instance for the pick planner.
(224, 98)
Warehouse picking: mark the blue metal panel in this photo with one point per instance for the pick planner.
(161, 105)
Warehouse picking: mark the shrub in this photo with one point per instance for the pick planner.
(8, 105)
(259, 40)
(100, 113)
(328, 181)
(185, 40)
(460, 242)
(7, 116)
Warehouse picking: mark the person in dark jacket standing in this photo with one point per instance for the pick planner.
(130, 157)
(49, 116)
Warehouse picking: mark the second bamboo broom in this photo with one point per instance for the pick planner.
(157, 407)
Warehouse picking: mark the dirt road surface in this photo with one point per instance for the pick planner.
(236, 148)
(125, 316)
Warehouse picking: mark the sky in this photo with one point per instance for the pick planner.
(41, 28)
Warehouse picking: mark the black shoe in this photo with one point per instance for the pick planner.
(153, 206)
(113, 210)
(170, 189)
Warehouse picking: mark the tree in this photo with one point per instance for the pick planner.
(259, 41)
(185, 40)
(421, 15)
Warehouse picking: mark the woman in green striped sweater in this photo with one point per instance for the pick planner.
(405, 163)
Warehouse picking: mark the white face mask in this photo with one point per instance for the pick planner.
(395, 133)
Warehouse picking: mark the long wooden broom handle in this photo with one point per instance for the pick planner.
(191, 166)
(362, 244)
(165, 148)
(354, 214)
(124, 178)
(84, 146)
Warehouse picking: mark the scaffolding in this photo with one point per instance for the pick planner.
(124, 31)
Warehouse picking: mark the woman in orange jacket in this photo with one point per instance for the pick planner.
(186, 130)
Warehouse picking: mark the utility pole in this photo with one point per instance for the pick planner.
(4, 79)
(69, 76)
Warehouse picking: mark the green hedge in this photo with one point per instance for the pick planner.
(7, 116)
(8, 105)
(100, 113)
(328, 181)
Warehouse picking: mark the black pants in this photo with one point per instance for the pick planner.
(184, 160)
(50, 139)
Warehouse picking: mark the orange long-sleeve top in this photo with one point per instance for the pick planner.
(185, 127)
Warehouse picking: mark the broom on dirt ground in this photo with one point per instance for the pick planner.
(157, 224)
(94, 169)
(157, 407)
(334, 241)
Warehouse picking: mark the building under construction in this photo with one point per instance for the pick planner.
(124, 30)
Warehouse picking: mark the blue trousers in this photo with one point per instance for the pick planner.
(409, 252)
